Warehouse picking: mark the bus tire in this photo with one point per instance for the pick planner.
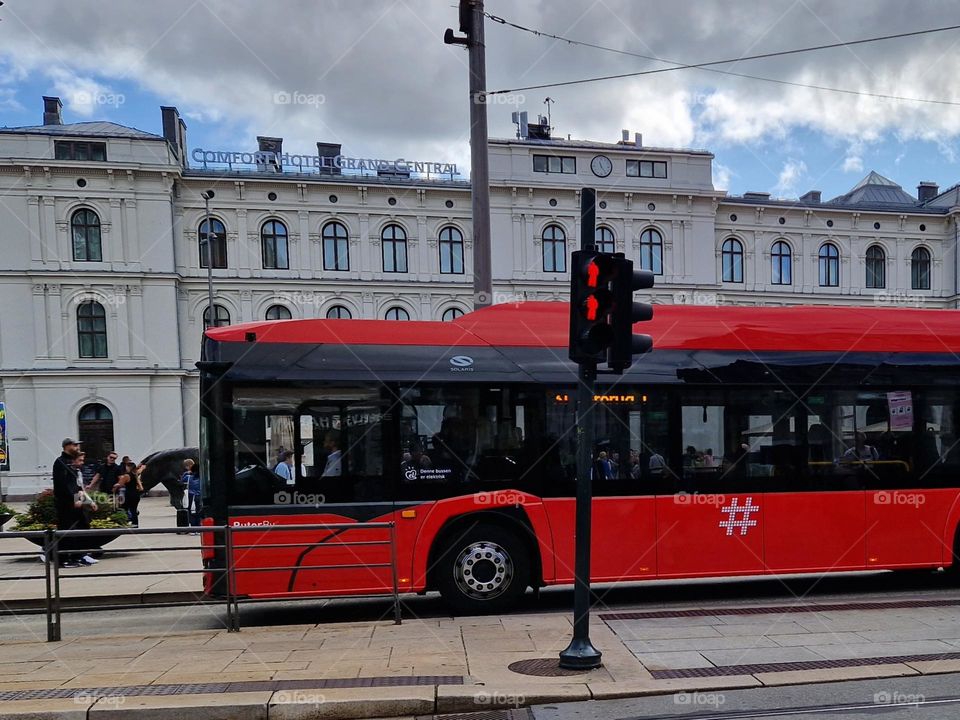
(484, 570)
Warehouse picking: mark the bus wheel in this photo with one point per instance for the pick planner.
(486, 570)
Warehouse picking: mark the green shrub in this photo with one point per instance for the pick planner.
(42, 513)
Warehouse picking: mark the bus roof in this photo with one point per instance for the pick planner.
(674, 327)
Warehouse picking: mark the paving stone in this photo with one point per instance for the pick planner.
(673, 660)
(754, 628)
(698, 644)
(631, 630)
(887, 649)
(908, 635)
(60, 709)
(760, 655)
(793, 677)
(932, 667)
(346, 704)
(634, 688)
(476, 698)
(223, 706)
(816, 639)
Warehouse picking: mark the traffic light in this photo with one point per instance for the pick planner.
(590, 303)
(625, 312)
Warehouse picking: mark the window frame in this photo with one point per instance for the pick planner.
(875, 267)
(564, 165)
(397, 310)
(221, 319)
(339, 243)
(271, 239)
(556, 244)
(218, 251)
(656, 169)
(92, 328)
(449, 238)
(398, 248)
(454, 312)
(281, 309)
(86, 222)
(650, 260)
(69, 150)
(338, 308)
(828, 265)
(921, 264)
(604, 236)
(731, 248)
(781, 256)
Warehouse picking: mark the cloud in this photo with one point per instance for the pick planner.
(721, 176)
(791, 172)
(390, 84)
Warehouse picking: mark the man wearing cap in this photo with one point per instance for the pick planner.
(68, 507)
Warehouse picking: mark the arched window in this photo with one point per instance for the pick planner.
(604, 240)
(85, 228)
(829, 260)
(221, 316)
(273, 241)
(651, 251)
(451, 251)
(920, 269)
(218, 243)
(396, 313)
(731, 254)
(876, 267)
(92, 329)
(554, 249)
(781, 263)
(95, 428)
(451, 314)
(394, 249)
(338, 312)
(336, 248)
(278, 312)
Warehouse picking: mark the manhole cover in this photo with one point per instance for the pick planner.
(542, 667)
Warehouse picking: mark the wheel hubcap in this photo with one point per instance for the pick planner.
(483, 570)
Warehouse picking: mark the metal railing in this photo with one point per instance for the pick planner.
(59, 543)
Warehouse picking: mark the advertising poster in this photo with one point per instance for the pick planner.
(4, 454)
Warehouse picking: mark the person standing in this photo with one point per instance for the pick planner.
(334, 464)
(132, 493)
(191, 483)
(284, 468)
(106, 475)
(68, 500)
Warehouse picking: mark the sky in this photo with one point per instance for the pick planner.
(375, 76)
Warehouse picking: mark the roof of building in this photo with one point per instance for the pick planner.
(98, 128)
(875, 189)
(592, 144)
(674, 327)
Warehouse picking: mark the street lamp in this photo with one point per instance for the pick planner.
(207, 194)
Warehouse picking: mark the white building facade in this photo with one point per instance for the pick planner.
(104, 282)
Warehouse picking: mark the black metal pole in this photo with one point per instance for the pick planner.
(580, 653)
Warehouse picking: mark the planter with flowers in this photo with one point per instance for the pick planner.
(42, 515)
(6, 512)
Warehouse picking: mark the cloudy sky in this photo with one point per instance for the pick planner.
(375, 76)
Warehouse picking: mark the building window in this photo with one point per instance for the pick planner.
(451, 314)
(221, 315)
(646, 169)
(217, 237)
(554, 249)
(451, 251)
(92, 329)
(79, 150)
(651, 251)
(338, 312)
(336, 251)
(876, 267)
(604, 240)
(95, 427)
(394, 249)
(273, 239)
(555, 164)
(829, 259)
(278, 312)
(85, 228)
(732, 260)
(396, 313)
(781, 263)
(920, 269)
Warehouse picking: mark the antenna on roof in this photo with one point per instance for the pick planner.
(548, 101)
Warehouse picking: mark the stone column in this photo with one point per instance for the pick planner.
(41, 347)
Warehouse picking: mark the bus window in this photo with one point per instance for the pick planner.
(631, 443)
(937, 460)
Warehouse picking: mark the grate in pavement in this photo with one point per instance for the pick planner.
(217, 688)
(776, 609)
(542, 667)
(757, 668)
(510, 714)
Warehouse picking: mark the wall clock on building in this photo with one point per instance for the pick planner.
(601, 165)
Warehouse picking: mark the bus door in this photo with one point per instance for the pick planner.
(815, 508)
(711, 522)
(630, 456)
(331, 444)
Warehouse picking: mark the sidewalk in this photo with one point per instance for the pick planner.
(154, 512)
(377, 669)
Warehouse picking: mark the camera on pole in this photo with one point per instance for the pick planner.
(625, 312)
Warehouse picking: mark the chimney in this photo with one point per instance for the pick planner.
(269, 163)
(753, 195)
(638, 139)
(52, 111)
(927, 190)
(811, 197)
(327, 152)
(170, 121)
(624, 136)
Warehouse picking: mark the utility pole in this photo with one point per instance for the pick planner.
(471, 23)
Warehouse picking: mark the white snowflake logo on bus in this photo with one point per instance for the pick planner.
(738, 516)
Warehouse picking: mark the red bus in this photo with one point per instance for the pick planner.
(750, 441)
